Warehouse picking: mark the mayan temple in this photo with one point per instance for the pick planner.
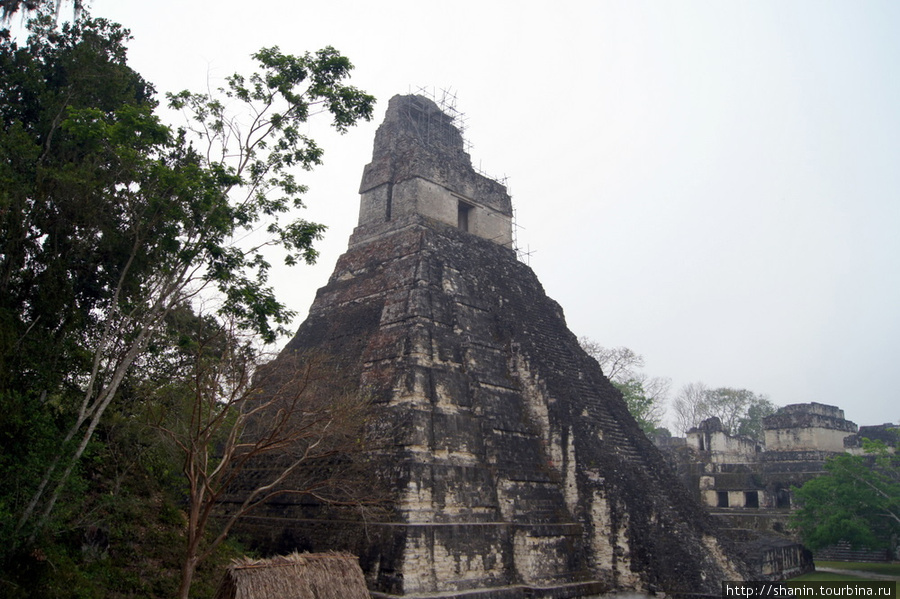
(515, 467)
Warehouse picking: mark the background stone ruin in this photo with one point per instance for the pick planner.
(747, 483)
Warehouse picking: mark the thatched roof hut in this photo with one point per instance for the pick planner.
(295, 576)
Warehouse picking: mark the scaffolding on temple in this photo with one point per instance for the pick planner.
(438, 126)
(524, 255)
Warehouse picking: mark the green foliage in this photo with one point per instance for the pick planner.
(642, 407)
(741, 411)
(62, 193)
(120, 545)
(751, 424)
(56, 215)
(111, 223)
(645, 396)
(857, 501)
(260, 145)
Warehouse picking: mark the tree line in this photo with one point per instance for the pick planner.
(741, 411)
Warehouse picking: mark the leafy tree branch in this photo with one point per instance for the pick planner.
(645, 396)
(856, 501)
(110, 221)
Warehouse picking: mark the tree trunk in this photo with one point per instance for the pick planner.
(187, 577)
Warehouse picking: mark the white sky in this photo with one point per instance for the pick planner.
(715, 185)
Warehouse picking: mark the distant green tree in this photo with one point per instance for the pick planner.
(643, 406)
(740, 410)
(645, 396)
(751, 424)
(857, 501)
(110, 222)
(663, 432)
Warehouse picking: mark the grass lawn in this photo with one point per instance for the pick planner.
(885, 569)
(826, 576)
(882, 569)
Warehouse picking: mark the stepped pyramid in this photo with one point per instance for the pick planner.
(516, 469)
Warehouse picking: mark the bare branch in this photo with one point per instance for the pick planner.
(292, 427)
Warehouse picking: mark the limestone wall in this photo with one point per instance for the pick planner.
(723, 447)
(811, 426)
(807, 438)
(716, 445)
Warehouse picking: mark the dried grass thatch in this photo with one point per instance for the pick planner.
(295, 576)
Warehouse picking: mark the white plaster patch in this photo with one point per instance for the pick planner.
(458, 458)
(453, 571)
(417, 503)
(537, 558)
(602, 538)
(505, 499)
(712, 545)
(418, 574)
(445, 400)
(627, 578)
(610, 544)
(555, 449)
(450, 282)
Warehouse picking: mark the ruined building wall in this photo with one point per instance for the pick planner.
(711, 437)
(887, 433)
(812, 426)
(751, 485)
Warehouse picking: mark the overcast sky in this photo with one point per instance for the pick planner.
(715, 185)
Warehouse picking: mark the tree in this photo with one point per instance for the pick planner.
(10, 7)
(110, 221)
(751, 424)
(645, 396)
(857, 501)
(62, 188)
(689, 406)
(741, 411)
(642, 403)
(256, 433)
(618, 363)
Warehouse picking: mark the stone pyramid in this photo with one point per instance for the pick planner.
(516, 469)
